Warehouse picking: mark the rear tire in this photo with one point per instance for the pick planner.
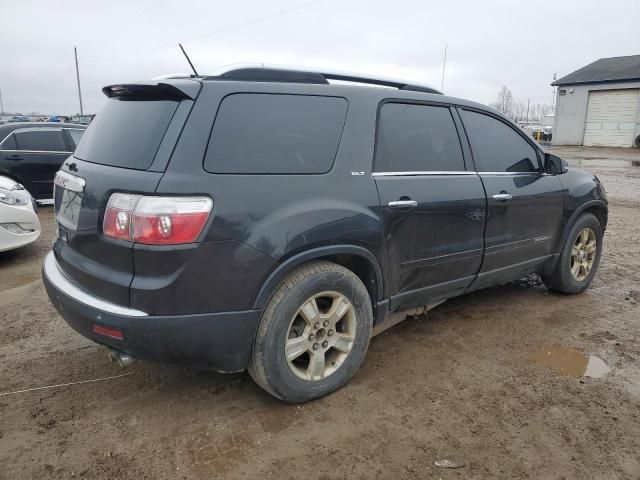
(314, 333)
(579, 258)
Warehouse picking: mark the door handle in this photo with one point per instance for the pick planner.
(403, 204)
(15, 157)
(503, 197)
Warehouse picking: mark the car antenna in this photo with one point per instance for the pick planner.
(188, 59)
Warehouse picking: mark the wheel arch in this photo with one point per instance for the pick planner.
(598, 208)
(357, 259)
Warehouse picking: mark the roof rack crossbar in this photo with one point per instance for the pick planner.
(263, 72)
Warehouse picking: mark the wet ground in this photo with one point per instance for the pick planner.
(510, 382)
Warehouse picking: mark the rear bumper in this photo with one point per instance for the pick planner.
(221, 341)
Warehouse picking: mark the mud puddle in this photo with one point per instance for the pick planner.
(570, 361)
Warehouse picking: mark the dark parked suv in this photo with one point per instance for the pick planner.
(31, 153)
(268, 220)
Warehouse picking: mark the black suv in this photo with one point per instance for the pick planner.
(31, 153)
(268, 220)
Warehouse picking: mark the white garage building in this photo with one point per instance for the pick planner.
(600, 104)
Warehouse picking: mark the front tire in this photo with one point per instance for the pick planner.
(579, 258)
(314, 333)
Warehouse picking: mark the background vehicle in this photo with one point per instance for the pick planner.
(19, 224)
(31, 153)
(82, 119)
(270, 219)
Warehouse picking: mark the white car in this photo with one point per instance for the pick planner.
(19, 224)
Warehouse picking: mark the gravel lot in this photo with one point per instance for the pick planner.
(459, 384)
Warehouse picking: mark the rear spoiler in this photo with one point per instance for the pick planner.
(166, 90)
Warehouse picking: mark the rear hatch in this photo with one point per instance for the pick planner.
(125, 149)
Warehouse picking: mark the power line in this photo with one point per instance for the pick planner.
(209, 34)
(115, 27)
(122, 24)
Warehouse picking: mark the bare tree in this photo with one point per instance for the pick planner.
(504, 104)
(519, 111)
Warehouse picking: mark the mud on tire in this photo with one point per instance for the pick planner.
(563, 280)
(320, 311)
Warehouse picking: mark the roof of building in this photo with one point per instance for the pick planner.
(614, 69)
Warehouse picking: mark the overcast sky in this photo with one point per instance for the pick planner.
(490, 43)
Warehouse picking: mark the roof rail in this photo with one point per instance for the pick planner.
(260, 72)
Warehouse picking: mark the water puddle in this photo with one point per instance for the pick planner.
(570, 361)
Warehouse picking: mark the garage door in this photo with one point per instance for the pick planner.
(612, 116)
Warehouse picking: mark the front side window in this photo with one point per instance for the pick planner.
(416, 138)
(496, 146)
(41, 140)
(278, 134)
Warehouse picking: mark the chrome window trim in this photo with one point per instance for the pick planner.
(31, 129)
(10, 133)
(510, 173)
(36, 151)
(56, 277)
(419, 173)
(38, 129)
(35, 129)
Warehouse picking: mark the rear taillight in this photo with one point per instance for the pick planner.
(156, 220)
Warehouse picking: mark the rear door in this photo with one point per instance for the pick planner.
(432, 206)
(125, 149)
(524, 203)
(38, 156)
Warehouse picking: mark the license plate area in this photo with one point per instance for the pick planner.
(68, 210)
(68, 195)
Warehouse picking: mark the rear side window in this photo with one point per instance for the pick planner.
(9, 143)
(417, 138)
(41, 140)
(278, 134)
(127, 133)
(76, 135)
(496, 146)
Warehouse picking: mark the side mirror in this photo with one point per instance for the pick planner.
(554, 165)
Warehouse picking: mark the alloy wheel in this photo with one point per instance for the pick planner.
(320, 336)
(583, 254)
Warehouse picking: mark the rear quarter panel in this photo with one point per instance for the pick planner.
(282, 215)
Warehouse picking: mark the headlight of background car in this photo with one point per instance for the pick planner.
(11, 197)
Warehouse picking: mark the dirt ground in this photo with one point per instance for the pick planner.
(458, 384)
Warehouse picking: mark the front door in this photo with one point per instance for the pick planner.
(432, 207)
(524, 204)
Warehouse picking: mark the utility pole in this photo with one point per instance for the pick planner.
(528, 100)
(75, 52)
(444, 65)
(1, 104)
(553, 95)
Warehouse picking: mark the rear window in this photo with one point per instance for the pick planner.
(278, 134)
(127, 133)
